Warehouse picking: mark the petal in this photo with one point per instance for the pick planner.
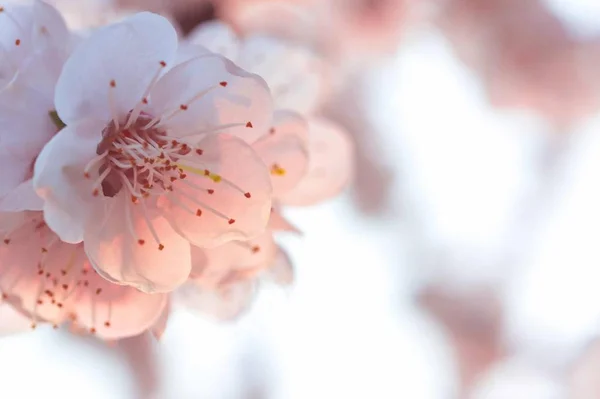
(10, 221)
(215, 94)
(114, 311)
(331, 156)
(284, 151)
(278, 222)
(159, 327)
(116, 252)
(296, 76)
(12, 321)
(282, 271)
(59, 180)
(26, 125)
(27, 271)
(225, 303)
(22, 198)
(49, 26)
(12, 22)
(128, 54)
(14, 172)
(218, 37)
(230, 202)
(244, 259)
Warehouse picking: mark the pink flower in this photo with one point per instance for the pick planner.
(35, 44)
(140, 172)
(525, 57)
(345, 30)
(54, 282)
(297, 77)
(330, 166)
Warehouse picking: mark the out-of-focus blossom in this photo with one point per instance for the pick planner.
(297, 77)
(473, 321)
(54, 282)
(35, 44)
(139, 172)
(340, 28)
(525, 56)
(331, 156)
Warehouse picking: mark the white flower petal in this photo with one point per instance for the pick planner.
(109, 72)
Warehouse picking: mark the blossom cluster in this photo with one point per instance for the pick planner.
(142, 170)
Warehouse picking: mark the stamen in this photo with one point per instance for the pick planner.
(135, 113)
(111, 104)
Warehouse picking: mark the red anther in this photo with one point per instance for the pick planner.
(198, 212)
(224, 84)
(231, 221)
(249, 124)
(247, 195)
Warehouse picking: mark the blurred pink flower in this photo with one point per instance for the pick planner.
(525, 56)
(53, 282)
(343, 29)
(35, 43)
(330, 166)
(297, 77)
(139, 172)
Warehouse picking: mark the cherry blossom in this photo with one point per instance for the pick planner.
(154, 155)
(54, 282)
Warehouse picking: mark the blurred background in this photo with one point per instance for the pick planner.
(463, 261)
